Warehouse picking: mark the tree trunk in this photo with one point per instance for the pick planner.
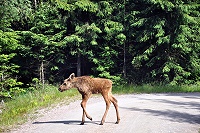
(79, 64)
(124, 65)
(42, 74)
(35, 3)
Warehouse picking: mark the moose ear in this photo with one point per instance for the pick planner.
(72, 76)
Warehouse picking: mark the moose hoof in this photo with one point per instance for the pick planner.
(101, 124)
(117, 122)
(82, 123)
(90, 118)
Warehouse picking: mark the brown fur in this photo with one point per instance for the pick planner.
(87, 86)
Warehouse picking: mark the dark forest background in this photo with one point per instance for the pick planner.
(128, 41)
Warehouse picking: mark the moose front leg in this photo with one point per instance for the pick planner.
(83, 105)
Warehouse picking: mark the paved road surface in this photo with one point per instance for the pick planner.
(140, 113)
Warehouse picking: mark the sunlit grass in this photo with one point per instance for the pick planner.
(16, 111)
(155, 89)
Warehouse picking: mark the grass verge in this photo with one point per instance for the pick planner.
(18, 110)
(128, 89)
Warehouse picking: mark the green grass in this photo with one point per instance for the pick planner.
(16, 111)
(127, 89)
(19, 110)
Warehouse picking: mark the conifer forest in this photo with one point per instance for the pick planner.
(127, 41)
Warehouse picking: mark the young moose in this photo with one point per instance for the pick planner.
(87, 86)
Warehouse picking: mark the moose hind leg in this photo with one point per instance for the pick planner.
(114, 101)
(107, 100)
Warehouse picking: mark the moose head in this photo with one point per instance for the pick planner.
(67, 84)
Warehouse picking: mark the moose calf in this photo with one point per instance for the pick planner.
(87, 86)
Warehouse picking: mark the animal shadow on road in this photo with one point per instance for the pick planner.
(69, 122)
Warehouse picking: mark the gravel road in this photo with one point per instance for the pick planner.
(140, 113)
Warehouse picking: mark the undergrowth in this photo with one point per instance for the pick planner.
(127, 89)
(16, 110)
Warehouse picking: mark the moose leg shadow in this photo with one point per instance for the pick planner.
(69, 122)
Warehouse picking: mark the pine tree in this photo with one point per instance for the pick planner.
(9, 85)
(165, 40)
